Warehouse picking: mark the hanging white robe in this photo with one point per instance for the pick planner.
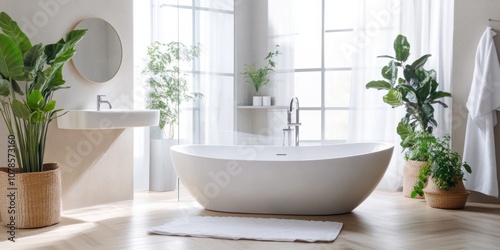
(483, 101)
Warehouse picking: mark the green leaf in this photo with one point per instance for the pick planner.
(439, 94)
(386, 56)
(393, 98)
(57, 79)
(20, 110)
(424, 91)
(427, 111)
(402, 48)
(16, 88)
(35, 100)
(467, 168)
(408, 93)
(4, 87)
(11, 29)
(404, 130)
(51, 50)
(37, 117)
(11, 59)
(74, 37)
(410, 76)
(63, 51)
(34, 59)
(49, 106)
(390, 72)
(419, 63)
(378, 85)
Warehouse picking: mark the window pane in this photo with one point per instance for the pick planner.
(337, 88)
(338, 49)
(168, 33)
(218, 4)
(308, 88)
(217, 42)
(185, 26)
(340, 14)
(311, 125)
(336, 124)
(308, 30)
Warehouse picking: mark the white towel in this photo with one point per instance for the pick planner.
(484, 99)
(268, 229)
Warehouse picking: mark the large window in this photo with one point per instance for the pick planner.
(211, 25)
(323, 67)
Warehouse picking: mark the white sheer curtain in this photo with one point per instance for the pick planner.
(428, 25)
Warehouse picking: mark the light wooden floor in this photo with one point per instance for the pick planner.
(384, 221)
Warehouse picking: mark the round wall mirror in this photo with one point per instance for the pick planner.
(99, 54)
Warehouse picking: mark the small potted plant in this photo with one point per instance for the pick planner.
(417, 148)
(416, 91)
(166, 87)
(29, 76)
(259, 77)
(444, 175)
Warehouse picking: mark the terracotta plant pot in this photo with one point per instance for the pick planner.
(410, 176)
(454, 198)
(32, 199)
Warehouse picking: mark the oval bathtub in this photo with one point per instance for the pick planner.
(306, 180)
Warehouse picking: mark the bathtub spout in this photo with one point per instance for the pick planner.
(294, 104)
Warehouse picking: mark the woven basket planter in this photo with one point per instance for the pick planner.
(454, 198)
(37, 197)
(410, 176)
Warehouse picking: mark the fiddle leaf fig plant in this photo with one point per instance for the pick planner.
(412, 86)
(444, 166)
(167, 85)
(29, 76)
(259, 77)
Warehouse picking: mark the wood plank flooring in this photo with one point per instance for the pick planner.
(386, 220)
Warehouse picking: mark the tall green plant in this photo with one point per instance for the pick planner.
(167, 86)
(259, 77)
(29, 76)
(416, 90)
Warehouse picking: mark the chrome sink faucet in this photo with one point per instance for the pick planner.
(294, 104)
(100, 101)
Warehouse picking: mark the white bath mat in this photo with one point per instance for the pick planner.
(235, 228)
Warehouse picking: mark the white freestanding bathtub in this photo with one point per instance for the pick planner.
(306, 180)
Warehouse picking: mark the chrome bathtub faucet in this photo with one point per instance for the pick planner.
(294, 104)
(100, 101)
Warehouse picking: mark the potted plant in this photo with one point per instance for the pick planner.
(167, 87)
(444, 177)
(29, 76)
(259, 77)
(417, 152)
(416, 90)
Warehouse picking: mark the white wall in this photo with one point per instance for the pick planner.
(471, 20)
(251, 46)
(97, 166)
(142, 38)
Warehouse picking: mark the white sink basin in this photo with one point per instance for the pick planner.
(108, 119)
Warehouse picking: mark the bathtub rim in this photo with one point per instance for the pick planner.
(384, 146)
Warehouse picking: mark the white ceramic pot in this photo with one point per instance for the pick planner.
(257, 101)
(266, 101)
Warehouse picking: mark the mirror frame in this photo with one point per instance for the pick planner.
(119, 62)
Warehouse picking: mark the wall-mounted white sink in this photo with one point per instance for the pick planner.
(108, 119)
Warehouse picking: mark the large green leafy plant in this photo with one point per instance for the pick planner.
(167, 86)
(412, 86)
(29, 76)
